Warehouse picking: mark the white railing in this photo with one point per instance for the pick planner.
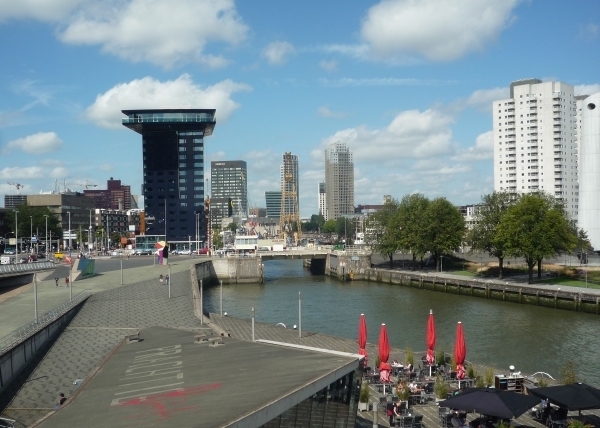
(25, 267)
(24, 332)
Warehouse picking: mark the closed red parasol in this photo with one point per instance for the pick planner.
(384, 355)
(460, 352)
(362, 337)
(430, 339)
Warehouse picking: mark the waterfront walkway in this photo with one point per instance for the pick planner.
(114, 311)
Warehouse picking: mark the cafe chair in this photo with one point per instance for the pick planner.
(418, 421)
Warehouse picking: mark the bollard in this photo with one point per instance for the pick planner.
(253, 324)
(201, 305)
(375, 424)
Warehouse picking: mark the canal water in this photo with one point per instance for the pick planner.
(497, 334)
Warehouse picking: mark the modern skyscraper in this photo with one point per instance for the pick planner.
(535, 141)
(339, 181)
(14, 201)
(173, 161)
(589, 169)
(322, 199)
(292, 183)
(273, 202)
(228, 190)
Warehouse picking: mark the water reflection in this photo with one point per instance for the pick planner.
(497, 334)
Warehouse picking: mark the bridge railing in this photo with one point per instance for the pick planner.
(25, 331)
(25, 267)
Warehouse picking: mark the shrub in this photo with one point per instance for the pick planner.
(567, 373)
(364, 393)
(377, 362)
(410, 356)
(489, 376)
(471, 372)
(479, 382)
(440, 357)
(441, 388)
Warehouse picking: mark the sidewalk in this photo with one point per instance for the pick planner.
(20, 308)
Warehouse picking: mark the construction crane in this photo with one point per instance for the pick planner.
(87, 185)
(17, 185)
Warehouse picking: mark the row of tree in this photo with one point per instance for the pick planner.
(530, 226)
(416, 225)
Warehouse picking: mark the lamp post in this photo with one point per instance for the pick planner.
(30, 234)
(69, 212)
(441, 263)
(45, 215)
(16, 235)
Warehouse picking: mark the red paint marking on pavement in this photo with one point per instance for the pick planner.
(161, 404)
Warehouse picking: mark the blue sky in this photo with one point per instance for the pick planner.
(407, 84)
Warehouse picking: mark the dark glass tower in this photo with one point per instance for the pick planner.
(173, 151)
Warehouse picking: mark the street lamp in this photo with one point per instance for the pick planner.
(69, 212)
(16, 234)
(30, 234)
(46, 215)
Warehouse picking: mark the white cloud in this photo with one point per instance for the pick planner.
(328, 65)
(325, 112)
(483, 98)
(412, 134)
(589, 31)
(433, 29)
(376, 81)
(482, 150)
(41, 10)
(21, 173)
(106, 167)
(162, 32)
(40, 143)
(587, 89)
(277, 53)
(150, 93)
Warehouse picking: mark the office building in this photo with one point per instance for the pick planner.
(589, 168)
(290, 181)
(13, 201)
(339, 181)
(173, 167)
(228, 190)
(536, 142)
(257, 212)
(273, 202)
(117, 196)
(322, 199)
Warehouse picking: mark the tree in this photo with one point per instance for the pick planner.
(384, 235)
(483, 235)
(329, 226)
(535, 228)
(345, 226)
(318, 219)
(444, 228)
(217, 239)
(33, 217)
(232, 227)
(410, 222)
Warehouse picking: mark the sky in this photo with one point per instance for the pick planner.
(406, 84)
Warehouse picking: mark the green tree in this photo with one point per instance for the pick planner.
(444, 228)
(318, 219)
(329, 226)
(232, 227)
(483, 236)
(33, 218)
(535, 228)
(384, 235)
(345, 226)
(217, 239)
(410, 223)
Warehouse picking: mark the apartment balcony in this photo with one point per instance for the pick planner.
(559, 186)
(512, 168)
(533, 174)
(510, 103)
(534, 167)
(532, 114)
(512, 188)
(557, 132)
(534, 160)
(534, 180)
(511, 149)
(510, 123)
(510, 109)
(533, 121)
(533, 134)
(557, 98)
(511, 181)
(556, 112)
(533, 147)
(512, 175)
(559, 160)
(559, 179)
(533, 140)
(558, 139)
(533, 101)
(511, 136)
(534, 187)
(558, 146)
(533, 127)
(557, 125)
(511, 156)
(532, 108)
(559, 153)
(510, 129)
(556, 105)
(510, 162)
(558, 173)
(510, 116)
(533, 155)
(510, 142)
(558, 166)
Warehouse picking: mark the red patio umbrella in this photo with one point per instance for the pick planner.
(430, 339)
(460, 352)
(384, 355)
(362, 337)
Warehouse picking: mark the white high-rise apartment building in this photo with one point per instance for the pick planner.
(322, 199)
(339, 181)
(536, 141)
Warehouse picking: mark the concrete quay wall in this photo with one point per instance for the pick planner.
(233, 270)
(539, 295)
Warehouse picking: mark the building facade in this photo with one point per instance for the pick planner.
(339, 181)
(536, 141)
(322, 195)
(117, 196)
(273, 201)
(228, 190)
(589, 169)
(173, 165)
(14, 201)
(291, 184)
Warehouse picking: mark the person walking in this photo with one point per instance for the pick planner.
(56, 280)
(167, 280)
(160, 278)
(67, 281)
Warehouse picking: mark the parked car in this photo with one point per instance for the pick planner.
(185, 252)
(10, 251)
(41, 255)
(203, 251)
(142, 252)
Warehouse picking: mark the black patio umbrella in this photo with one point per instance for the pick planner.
(492, 402)
(577, 396)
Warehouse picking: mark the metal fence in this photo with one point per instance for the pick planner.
(25, 267)
(22, 333)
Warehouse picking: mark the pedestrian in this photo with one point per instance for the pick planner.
(160, 278)
(56, 280)
(167, 280)
(61, 400)
(67, 281)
